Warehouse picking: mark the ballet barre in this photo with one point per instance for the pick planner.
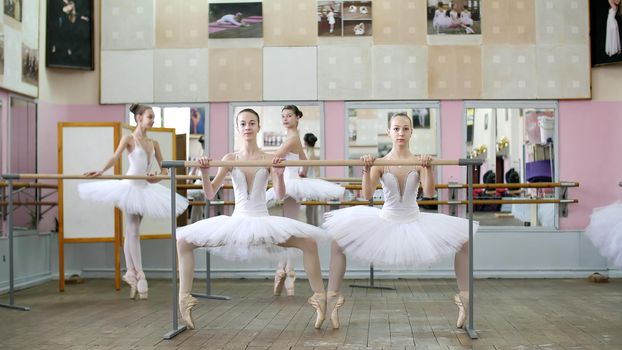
(173, 164)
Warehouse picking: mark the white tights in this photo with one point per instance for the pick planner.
(131, 243)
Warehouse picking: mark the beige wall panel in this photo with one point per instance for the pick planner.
(181, 23)
(400, 72)
(290, 23)
(509, 72)
(454, 72)
(508, 22)
(181, 75)
(344, 73)
(562, 22)
(127, 25)
(563, 71)
(399, 22)
(235, 74)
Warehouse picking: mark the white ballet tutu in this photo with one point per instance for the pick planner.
(245, 237)
(605, 231)
(612, 39)
(133, 197)
(309, 189)
(421, 239)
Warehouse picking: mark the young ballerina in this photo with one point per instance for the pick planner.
(298, 188)
(612, 37)
(398, 234)
(250, 231)
(135, 198)
(605, 231)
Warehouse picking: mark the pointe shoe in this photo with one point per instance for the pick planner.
(462, 301)
(186, 303)
(279, 280)
(334, 301)
(130, 279)
(141, 286)
(318, 301)
(289, 283)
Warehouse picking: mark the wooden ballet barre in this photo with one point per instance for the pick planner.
(321, 162)
(511, 185)
(420, 202)
(17, 185)
(4, 203)
(101, 177)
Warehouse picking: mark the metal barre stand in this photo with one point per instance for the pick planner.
(371, 271)
(208, 273)
(11, 305)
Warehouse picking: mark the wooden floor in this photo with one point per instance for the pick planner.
(419, 314)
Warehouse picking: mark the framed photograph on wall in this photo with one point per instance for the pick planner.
(13, 9)
(229, 20)
(605, 31)
(69, 42)
(344, 18)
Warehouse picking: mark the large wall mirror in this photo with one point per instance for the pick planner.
(22, 153)
(273, 133)
(517, 142)
(367, 125)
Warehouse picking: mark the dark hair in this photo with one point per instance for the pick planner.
(137, 109)
(202, 140)
(400, 114)
(310, 139)
(248, 110)
(294, 109)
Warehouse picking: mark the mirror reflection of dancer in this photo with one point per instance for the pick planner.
(298, 188)
(250, 231)
(236, 20)
(398, 234)
(330, 17)
(135, 198)
(612, 38)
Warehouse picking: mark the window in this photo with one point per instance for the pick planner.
(516, 141)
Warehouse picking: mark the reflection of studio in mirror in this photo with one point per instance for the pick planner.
(273, 133)
(368, 125)
(190, 126)
(516, 145)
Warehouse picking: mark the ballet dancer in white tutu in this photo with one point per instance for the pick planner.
(298, 188)
(398, 234)
(250, 231)
(136, 198)
(612, 38)
(605, 231)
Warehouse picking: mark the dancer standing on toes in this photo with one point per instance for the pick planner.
(298, 188)
(398, 234)
(135, 198)
(250, 231)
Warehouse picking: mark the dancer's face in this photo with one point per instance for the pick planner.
(146, 119)
(400, 131)
(248, 125)
(289, 119)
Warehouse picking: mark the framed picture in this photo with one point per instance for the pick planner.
(30, 65)
(13, 9)
(605, 32)
(421, 118)
(454, 17)
(69, 41)
(344, 18)
(235, 20)
(197, 120)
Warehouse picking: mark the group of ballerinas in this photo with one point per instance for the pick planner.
(452, 18)
(396, 235)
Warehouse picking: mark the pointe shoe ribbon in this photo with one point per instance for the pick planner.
(279, 280)
(318, 301)
(462, 302)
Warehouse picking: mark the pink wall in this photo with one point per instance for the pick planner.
(335, 135)
(49, 116)
(589, 152)
(452, 139)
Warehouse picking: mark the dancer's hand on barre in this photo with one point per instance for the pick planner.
(152, 181)
(204, 164)
(302, 172)
(93, 173)
(276, 167)
(426, 160)
(368, 161)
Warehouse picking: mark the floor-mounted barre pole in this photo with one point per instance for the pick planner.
(11, 305)
(470, 328)
(176, 328)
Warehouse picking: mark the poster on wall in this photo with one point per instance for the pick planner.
(13, 9)
(69, 42)
(232, 20)
(454, 17)
(605, 29)
(344, 18)
(30, 65)
(197, 120)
